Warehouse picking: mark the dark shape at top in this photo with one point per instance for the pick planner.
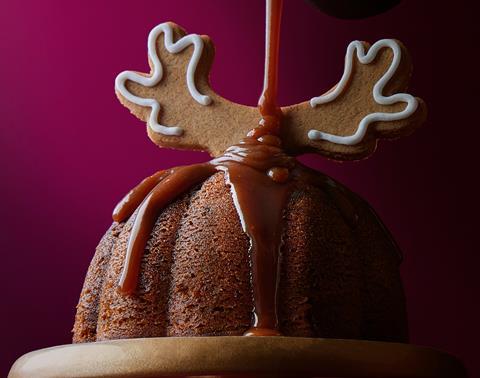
(354, 9)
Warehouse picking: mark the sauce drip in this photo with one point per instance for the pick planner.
(261, 206)
(260, 199)
(169, 186)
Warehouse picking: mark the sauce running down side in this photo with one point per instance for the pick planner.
(261, 178)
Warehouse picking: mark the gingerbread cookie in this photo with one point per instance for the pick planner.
(182, 111)
(176, 100)
(367, 104)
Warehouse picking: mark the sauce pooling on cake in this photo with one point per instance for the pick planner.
(260, 176)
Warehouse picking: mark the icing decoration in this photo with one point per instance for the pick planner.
(412, 102)
(156, 77)
(359, 99)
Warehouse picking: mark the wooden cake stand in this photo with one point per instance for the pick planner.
(237, 357)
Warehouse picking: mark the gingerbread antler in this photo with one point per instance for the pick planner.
(346, 122)
(182, 111)
(176, 100)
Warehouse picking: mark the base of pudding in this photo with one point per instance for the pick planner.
(237, 356)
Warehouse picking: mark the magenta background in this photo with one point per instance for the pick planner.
(69, 150)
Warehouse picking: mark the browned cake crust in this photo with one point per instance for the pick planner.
(335, 281)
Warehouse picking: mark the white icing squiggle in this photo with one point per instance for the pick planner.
(379, 98)
(154, 79)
